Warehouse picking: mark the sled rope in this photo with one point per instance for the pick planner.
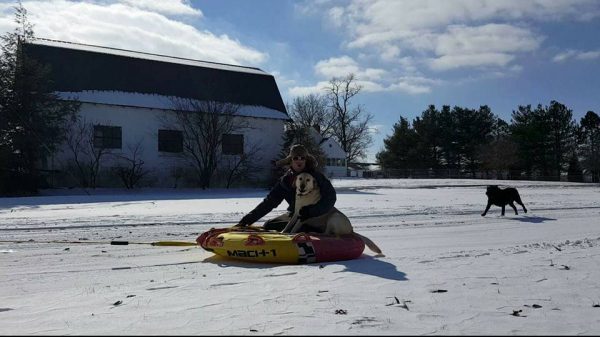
(114, 242)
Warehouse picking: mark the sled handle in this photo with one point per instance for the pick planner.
(301, 237)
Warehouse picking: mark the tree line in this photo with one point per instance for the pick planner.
(542, 142)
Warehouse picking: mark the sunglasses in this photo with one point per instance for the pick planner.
(299, 158)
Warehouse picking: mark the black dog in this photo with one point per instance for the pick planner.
(502, 197)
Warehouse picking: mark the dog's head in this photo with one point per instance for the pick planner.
(491, 190)
(304, 183)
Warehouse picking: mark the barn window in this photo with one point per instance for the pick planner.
(233, 144)
(170, 141)
(107, 137)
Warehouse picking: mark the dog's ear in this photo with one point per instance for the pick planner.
(315, 183)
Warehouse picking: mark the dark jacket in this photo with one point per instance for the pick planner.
(284, 190)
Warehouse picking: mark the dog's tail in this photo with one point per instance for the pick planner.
(372, 246)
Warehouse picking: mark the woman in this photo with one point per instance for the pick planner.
(299, 161)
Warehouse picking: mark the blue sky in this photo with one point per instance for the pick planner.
(405, 54)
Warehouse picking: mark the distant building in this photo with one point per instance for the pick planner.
(335, 162)
(364, 170)
(125, 94)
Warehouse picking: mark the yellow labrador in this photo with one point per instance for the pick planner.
(333, 222)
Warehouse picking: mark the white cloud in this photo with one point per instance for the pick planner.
(502, 38)
(588, 55)
(318, 88)
(564, 56)
(410, 88)
(376, 129)
(336, 67)
(482, 38)
(447, 62)
(281, 79)
(452, 30)
(487, 45)
(377, 21)
(129, 27)
(370, 79)
(6, 25)
(577, 55)
(389, 52)
(344, 65)
(168, 7)
(336, 16)
(370, 86)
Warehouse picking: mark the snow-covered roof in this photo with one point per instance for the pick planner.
(140, 100)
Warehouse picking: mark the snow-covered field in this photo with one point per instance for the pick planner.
(446, 269)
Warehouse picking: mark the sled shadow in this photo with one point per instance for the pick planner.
(532, 219)
(365, 265)
(224, 262)
(370, 265)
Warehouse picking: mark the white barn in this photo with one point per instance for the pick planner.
(126, 95)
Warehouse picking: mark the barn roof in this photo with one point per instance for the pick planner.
(80, 68)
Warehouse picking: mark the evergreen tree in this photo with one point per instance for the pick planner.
(450, 157)
(545, 137)
(574, 172)
(590, 144)
(562, 135)
(529, 132)
(32, 119)
(500, 155)
(401, 148)
(429, 132)
(473, 130)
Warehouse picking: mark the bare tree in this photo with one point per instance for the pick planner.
(239, 167)
(131, 167)
(203, 124)
(351, 123)
(312, 111)
(86, 156)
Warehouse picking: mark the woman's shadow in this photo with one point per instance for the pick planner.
(365, 264)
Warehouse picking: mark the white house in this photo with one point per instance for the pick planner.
(335, 165)
(126, 95)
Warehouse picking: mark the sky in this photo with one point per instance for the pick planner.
(446, 271)
(405, 54)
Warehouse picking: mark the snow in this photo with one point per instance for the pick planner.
(154, 101)
(446, 270)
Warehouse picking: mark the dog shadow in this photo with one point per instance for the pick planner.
(532, 219)
(366, 264)
(354, 190)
